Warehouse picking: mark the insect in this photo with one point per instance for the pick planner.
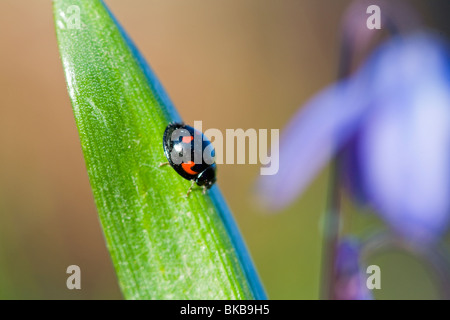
(190, 154)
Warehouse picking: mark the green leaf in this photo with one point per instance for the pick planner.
(163, 245)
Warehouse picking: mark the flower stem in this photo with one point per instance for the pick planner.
(332, 214)
(331, 234)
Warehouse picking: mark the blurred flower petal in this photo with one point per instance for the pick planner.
(392, 121)
(311, 138)
(350, 283)
(404, 148)
(351, 170)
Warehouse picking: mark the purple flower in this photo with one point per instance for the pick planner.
(349, 278)
(391, 120)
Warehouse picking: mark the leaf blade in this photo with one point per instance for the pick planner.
(162, 246)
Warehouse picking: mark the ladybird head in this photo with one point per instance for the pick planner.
(207, 177)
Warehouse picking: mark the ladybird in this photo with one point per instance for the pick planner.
(190, 154)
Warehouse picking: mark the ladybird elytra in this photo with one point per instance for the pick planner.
(184, 148)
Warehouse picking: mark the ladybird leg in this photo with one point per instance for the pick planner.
(190, 188)
(162, 164)
(204, 190)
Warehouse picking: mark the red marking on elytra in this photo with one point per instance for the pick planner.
(188, 167)
(188, 139)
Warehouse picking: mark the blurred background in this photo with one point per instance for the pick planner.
(232, 64)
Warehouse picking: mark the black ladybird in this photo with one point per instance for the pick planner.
(190, 154)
